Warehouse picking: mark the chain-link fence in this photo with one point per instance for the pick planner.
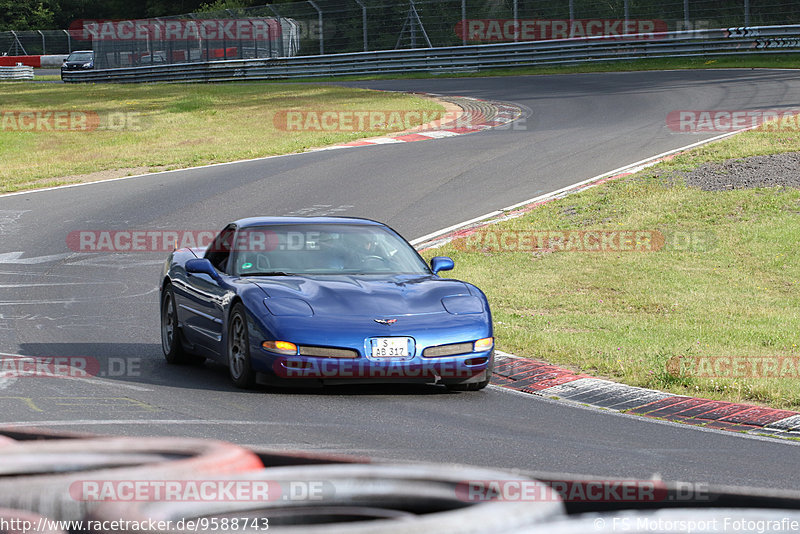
(36, 43)
(336, 26)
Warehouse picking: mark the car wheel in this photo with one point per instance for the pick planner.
(242, 374)
(170, 336)
(475, 386)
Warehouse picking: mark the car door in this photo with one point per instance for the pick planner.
(201, 301)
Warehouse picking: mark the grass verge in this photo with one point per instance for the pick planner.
(166, 126)
(724, 283)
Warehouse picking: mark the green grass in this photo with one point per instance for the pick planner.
(177, 126)
(734, 291)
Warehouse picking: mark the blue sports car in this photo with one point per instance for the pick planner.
(323, 300)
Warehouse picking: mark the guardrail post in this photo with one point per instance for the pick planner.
(17, 43)
(464, 22)
(364, 22)
(516, 20)
(686, 14)
(238, 33)
(189, 43)
(280, 26)
(321, 33)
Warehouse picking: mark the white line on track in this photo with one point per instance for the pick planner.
(7, 381)
(15, 286)
(632, 167)
(17, 259)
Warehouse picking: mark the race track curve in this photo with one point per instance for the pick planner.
(56, 302)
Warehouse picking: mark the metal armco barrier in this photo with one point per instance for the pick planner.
(19, 72)
(730, 41)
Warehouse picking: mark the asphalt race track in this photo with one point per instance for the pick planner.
(56, 302)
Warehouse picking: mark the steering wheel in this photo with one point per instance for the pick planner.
(372, 258)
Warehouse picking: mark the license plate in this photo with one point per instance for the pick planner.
(390, 347)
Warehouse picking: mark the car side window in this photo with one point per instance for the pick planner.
(220, 249)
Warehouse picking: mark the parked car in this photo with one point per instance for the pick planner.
(78, 60)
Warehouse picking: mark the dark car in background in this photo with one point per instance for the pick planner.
(79, 60)
(157, 58)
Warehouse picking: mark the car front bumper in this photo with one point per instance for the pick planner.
(461, 369)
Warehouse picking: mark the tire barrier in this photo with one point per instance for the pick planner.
(37, 475)
(18, 72)
(28, 434)
(345, 498)
(23, 522)
(275, 458)
(181, 486)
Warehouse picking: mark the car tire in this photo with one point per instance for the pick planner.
(174, 352)
(43, 476)
(475, 386)
(238, 345)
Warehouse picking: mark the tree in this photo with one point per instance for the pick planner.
(32, 15)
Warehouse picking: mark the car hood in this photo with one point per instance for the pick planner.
(372, 296)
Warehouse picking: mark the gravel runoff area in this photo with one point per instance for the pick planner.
(756, 171)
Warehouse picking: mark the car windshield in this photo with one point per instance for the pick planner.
(80, 56)
(306, 249)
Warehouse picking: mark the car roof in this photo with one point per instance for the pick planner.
(266, 221)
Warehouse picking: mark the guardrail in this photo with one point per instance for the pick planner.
(17, 72)
(730, 41)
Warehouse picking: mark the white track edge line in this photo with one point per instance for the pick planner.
(641, 164)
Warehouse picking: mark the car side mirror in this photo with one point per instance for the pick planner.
(441, 263)
(202, 266)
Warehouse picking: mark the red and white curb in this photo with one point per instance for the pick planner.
(540, 378)
(502, 114)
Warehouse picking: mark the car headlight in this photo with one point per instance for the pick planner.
(281, 347)
(455, 349)
(483, 344)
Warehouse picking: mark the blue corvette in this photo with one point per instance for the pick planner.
(323, 300)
